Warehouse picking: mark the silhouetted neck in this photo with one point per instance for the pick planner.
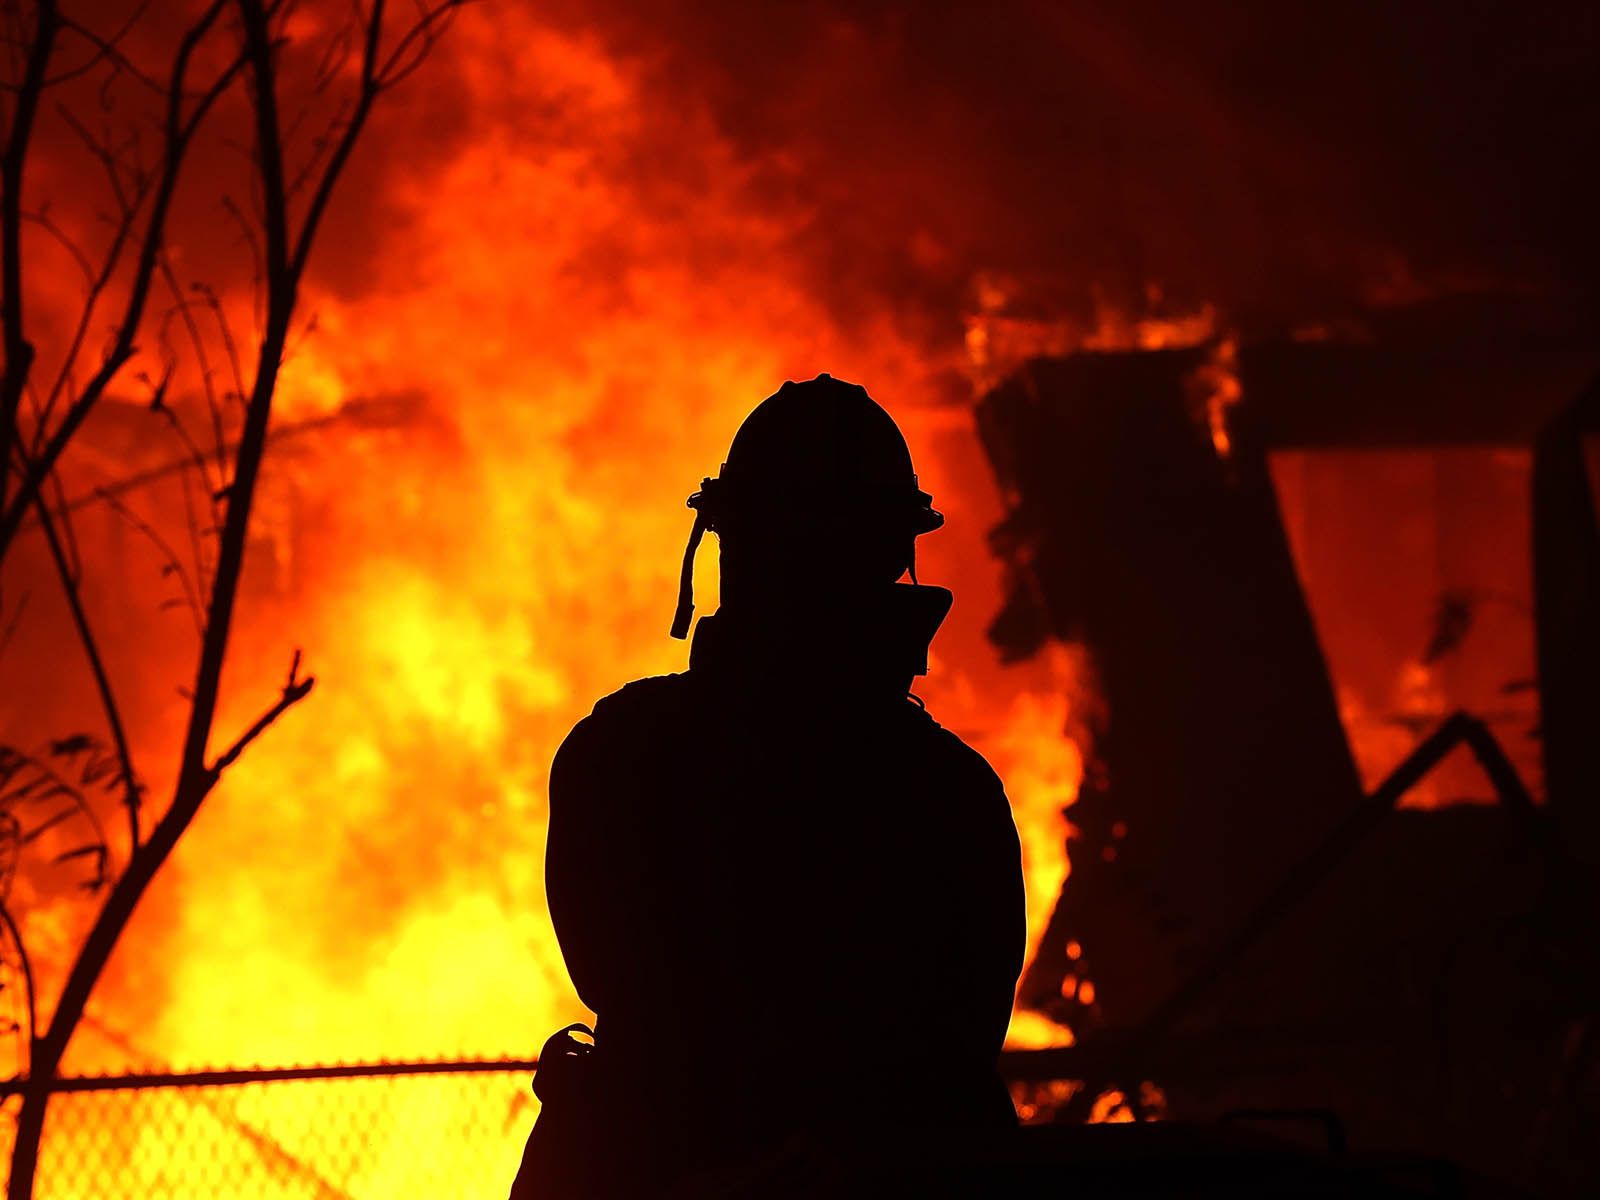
(875, 645)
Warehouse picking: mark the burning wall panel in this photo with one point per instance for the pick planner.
(1223, 757)
(1428, 982)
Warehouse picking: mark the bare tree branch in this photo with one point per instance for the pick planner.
(295, 690)
(172, 564)
(412, 49)
(370, 86)
(194, 461)
(208, 385)
(106, 50)
(224, 329)
(19, 351)
(321, 145)
(111, 162)
(41, 783)
(71, 539)
(180, 129)
(176, 466)
(282, 254)
(158, 405)
(11, 625)
(97, 287)
(43, 221)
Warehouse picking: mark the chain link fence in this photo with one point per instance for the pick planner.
(336, 1133)
(345, 1132)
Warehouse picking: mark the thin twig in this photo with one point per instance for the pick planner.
(43, 221)
(366, 95)
(280, 432)
(47, 785)
(225, 330)
(110, 159)
(418, 42)
(180, 130)
(334, 56)
(195, 460)
(106, 50)
(67, 527)
(320, 146)
(173, 564)
(10, 923)
(207, 380)
(102, 680)
(159, 406)
(11, 625)
(97, 287)
(295, 690)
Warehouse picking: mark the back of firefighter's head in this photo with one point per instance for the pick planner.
(817, 497)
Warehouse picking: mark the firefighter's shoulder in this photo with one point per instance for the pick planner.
(619, 719)
(618, 741)
(643, 699)
(953, 759)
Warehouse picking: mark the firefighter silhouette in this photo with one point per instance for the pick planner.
(793, 901)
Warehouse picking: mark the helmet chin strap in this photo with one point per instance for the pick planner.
(684, 615)
(685, 612)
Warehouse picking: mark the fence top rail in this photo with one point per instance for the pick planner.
(1014, 1064)
(238, 1075)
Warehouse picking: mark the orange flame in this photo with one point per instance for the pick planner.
(477, 543)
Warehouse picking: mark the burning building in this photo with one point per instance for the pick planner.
(1226, 334)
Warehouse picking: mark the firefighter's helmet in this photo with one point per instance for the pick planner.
(821, 450)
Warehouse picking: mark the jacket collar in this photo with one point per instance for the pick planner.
(880, 645)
